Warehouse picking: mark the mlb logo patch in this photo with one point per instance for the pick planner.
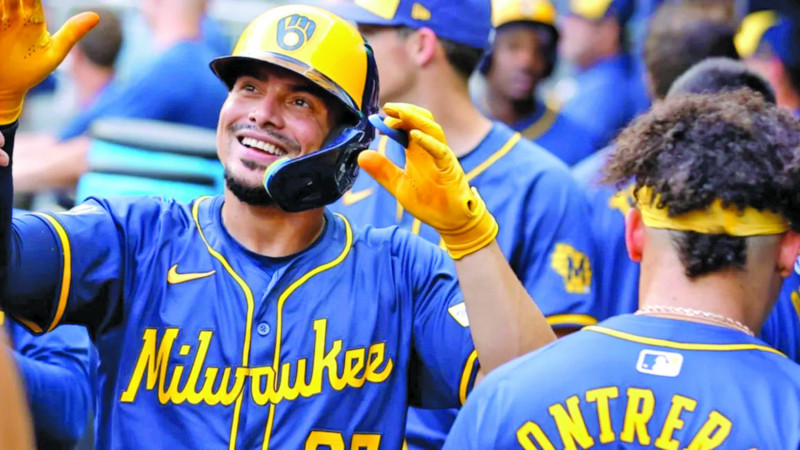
(663, 364)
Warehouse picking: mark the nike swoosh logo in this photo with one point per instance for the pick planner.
(351, 197)
(173, 277)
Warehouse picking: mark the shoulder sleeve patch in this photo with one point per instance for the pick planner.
(459, 313)
(574, 267)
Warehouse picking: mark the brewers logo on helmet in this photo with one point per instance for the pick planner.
(331, 53)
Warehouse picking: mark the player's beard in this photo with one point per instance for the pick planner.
(252, 195)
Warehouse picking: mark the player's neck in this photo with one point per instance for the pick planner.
(735, 294)
(463, 124)
(269, 231)
(506, 110)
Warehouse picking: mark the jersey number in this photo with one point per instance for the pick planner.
(335, 441)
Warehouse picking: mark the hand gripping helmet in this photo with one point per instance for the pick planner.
(330, 52)
(540, 14)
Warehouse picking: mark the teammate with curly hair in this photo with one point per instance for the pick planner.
(716, 228)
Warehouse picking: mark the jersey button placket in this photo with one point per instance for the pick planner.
(263, 329)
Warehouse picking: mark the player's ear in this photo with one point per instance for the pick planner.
(634, 234)
(787, 252)
(425, 45)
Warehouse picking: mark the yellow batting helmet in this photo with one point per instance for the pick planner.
(539, 14)
(331, 53)
(508, 11)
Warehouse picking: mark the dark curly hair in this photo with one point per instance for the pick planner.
(694, 148)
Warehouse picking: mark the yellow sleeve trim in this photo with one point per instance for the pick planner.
(581, 320)
(681, 345)
(466, 375)
(66, 272)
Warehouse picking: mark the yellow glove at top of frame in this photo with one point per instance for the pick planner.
(432, 186)
(28, 54)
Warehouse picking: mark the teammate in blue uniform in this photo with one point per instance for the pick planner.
(680, 35)
(165, 88)
(258, 318)
(607, 89)
(541, 212)
(523, 54)
(782, 328)
(714, 247)
(58, 370)
(767, 41)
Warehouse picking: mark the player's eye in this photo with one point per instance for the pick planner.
(302, 102)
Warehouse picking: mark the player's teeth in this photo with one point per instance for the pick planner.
(261, 145)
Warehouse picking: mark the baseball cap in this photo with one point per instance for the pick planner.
(622, 10)
(467, 22)
(766, 30)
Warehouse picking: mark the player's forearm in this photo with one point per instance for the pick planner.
(504, 320)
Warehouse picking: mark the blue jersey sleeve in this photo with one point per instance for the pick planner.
(59, 374)
(444, 360)
(90, 251)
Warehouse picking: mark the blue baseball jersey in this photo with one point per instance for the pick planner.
(541, 212)
(543, 234)
(204, 343)
(616, 274)
(782, 327)
(555, 132)
(605, 97)
(59, 371)
(633, 382)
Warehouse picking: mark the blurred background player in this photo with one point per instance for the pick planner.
(523, 54)
(714, 248)
(426, 52)
(606, 90)
(118, 265)
(769, 43)
(680, 35)
(166, 88)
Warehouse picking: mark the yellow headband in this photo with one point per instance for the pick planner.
(715, 219)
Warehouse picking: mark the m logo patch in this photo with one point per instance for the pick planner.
(574, 267)
(294, 31)
(664, 364)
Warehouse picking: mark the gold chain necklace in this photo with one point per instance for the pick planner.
(689, 312)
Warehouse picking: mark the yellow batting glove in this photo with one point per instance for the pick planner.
(432, 186)
(28, 54)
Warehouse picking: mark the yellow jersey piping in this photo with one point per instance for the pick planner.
(681, 345)
(248, 294)
(282, 299)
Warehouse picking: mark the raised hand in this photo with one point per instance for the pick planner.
(28, 54)
(432, 186)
